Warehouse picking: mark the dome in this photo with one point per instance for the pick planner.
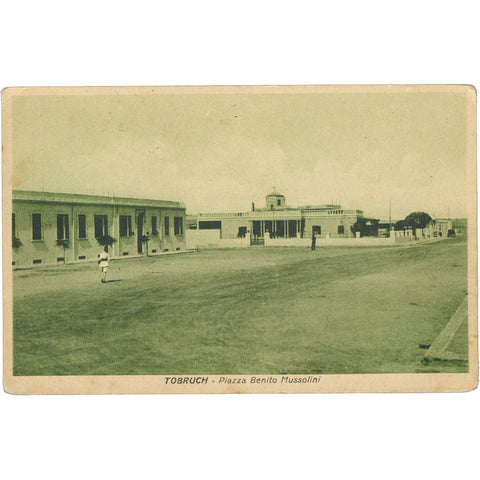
(275, 200)
(275, 194)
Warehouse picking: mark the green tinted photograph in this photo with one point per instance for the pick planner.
(247, 231)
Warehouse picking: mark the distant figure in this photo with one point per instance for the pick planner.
(103, 264)
(314, 241)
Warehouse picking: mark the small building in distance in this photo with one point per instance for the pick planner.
(41, 219)
(277, 220)
(440, 227)
(459, 225)
(190, 222)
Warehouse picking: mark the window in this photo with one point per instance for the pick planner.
(317, 229)
(209, 225)
(154, 225)
(279, 202)
(36, 226)
(167, 225)
(178, 225)
(125, 225)
(101, 225)
(341, 229)
(62, 227)
(82, 226)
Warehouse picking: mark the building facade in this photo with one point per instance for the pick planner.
(42, 223)
(277, 220)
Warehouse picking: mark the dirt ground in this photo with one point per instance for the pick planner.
(248, 311)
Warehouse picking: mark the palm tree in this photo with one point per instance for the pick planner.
(65, 244)
(106, 241)
(16, 243)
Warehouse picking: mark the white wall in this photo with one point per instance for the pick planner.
(211, 239)
(235, 242)
(201, 239)
(333, 242)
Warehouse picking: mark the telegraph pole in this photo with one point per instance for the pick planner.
(390, 213)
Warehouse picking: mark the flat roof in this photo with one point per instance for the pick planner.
(81, 199)
(321, 207)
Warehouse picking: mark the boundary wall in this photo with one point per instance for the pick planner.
(334, 242)
(196, 239)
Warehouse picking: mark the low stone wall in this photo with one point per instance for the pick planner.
(234, 242)
(211, 239)
(195, 239)
(288, 242)
(333, 242)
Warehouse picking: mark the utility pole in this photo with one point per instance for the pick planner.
(390, 213)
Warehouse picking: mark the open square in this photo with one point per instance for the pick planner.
(250, 311)
(240, 239)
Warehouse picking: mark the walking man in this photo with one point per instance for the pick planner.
(314, 240)
(103, 264)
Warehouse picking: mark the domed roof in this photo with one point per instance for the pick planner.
(275, 194)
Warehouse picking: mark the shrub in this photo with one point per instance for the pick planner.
(16, 243)
(106, 241)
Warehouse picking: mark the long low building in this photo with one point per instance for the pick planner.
(43, 221)
(280, 221)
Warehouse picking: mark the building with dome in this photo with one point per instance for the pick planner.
(278, 220)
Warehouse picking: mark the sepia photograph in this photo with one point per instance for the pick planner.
(240, 239)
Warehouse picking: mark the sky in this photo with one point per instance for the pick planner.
(221, 152)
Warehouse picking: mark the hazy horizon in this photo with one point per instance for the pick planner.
(221, 152)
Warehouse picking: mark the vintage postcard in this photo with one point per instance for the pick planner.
(250, 239)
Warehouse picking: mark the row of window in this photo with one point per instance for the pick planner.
(100, 226)
(317, 229)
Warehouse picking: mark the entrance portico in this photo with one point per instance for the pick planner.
(282, 227)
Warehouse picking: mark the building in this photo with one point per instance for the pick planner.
(41, 222)
(440, 227)
(277, 220)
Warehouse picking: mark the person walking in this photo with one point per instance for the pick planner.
(314, 240)
(103, 264)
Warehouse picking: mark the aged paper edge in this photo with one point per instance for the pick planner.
(134, 384)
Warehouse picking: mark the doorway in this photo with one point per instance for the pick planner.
(292, 228)
(140, 218)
